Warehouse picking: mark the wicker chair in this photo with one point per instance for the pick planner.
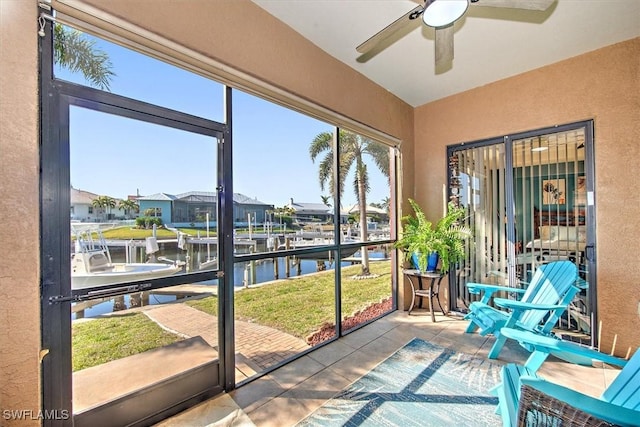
(528, 400)
(536, 408)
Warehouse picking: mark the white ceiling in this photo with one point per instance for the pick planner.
(490, 43)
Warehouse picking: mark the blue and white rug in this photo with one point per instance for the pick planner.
(421, 384)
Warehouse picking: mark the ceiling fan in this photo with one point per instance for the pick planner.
(441, 15)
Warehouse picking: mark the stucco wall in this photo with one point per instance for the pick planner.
(19, 228)
(603, 85)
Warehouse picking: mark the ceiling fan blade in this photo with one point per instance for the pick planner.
(517, 4)
(390, 29)
(444, 45)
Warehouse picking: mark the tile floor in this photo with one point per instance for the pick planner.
(288, 394)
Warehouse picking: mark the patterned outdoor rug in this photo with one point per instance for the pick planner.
(421, 384)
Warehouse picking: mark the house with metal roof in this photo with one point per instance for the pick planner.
(310, 212)
(193, 207)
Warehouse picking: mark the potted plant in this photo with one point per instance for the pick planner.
(424, 243)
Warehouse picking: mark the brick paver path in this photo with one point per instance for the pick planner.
(258, 345)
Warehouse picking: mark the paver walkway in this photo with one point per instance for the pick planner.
(257, 347)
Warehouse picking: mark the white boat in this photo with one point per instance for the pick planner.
(210, 264)
(91, 265)
(318, 256)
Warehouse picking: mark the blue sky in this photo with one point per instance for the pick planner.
(118, 157)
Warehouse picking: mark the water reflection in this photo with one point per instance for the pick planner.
(245, 274)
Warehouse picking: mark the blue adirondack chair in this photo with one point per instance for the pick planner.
(528, 400)
(548, 295)
(542, 346)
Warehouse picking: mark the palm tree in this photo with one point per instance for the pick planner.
(77, 53)
(386, 204)
(128, 206)
(325, 201)
(97, 203)
(353, 149)
(104, 202)
(284, 211)
(109, 203)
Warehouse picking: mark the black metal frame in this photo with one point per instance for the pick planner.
(57, 97)
(55, 318)
(589, 163)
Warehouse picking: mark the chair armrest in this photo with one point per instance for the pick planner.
(519, 305)
(475, 288)
(581, 283)
(599, 408)
(488, 290)
(536, 342)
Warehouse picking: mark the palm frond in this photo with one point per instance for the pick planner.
(77, 53)
(323, 142)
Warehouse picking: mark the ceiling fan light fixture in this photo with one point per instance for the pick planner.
(440, 13)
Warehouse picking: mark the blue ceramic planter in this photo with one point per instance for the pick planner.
(432, 261)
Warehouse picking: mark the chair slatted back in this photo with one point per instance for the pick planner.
(552, 284)
(625, 389)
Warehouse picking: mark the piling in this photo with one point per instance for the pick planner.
(252, 267)
(287, 266)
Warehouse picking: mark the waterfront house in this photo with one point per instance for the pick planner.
(309, 212)
(83, 210)
(193, 207)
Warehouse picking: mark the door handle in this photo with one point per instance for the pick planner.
(590, 252)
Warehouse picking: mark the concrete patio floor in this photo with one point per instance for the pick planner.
(288, 394)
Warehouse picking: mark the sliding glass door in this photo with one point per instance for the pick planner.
(530, 201)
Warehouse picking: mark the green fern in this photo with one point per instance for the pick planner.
(447, 238)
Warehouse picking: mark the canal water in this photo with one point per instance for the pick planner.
(264, 272)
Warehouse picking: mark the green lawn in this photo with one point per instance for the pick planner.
(102, 340)
(128, 233)
(300, 305)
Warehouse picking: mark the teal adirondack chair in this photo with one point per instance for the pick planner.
(542, 346)
(548, 295)
(527, 400)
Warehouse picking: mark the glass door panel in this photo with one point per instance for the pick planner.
(478, 184)
(550, 188)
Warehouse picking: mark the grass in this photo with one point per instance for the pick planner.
(128, 233)
(98, 341)
(300, 305)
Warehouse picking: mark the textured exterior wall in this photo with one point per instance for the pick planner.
(603, 85)
(19, 228)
